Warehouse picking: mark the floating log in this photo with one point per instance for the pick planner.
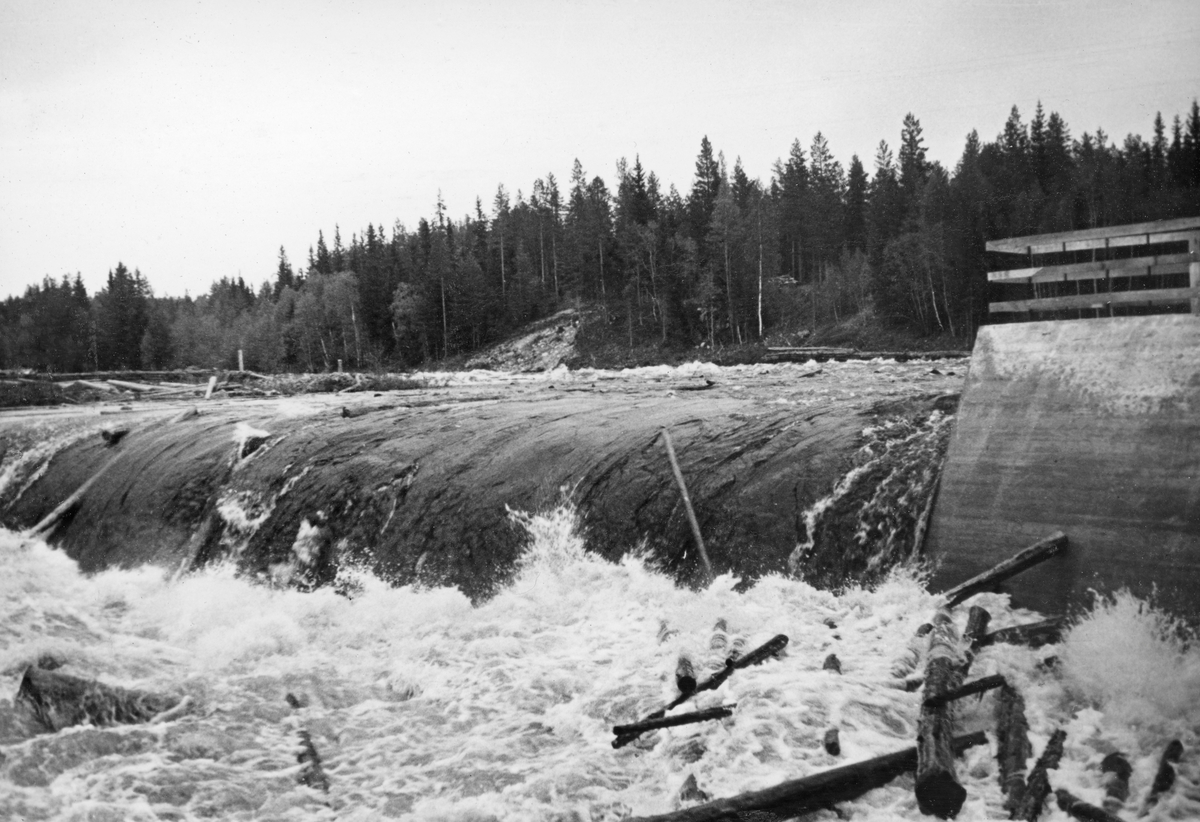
(59, 701)
(1033, 634)
(1116, 771)
(938, 790)
(1023, 561)
(136, 387)
(978, 686)
(1165, 778)
(1012, 745)
(687, 503)
(913, 653)
(707, 385)
(112, 436)
(832, 663)
(312, 774)
(1081, 810)
(685, 675)
(810, 793)
(833, 747)
(1037, 788)
(634, 729)
(760, 654)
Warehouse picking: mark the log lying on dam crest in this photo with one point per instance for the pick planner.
(757, 452)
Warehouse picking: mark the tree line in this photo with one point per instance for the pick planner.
(733, 261)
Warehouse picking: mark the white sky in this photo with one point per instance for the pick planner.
(192, 139)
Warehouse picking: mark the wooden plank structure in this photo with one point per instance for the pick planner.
(1145, 264)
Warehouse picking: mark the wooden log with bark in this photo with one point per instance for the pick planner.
(761, 654)
(1165, 777)
(687, 504)
(627, 733)
(811, 793)
(1022, 561)
(685, 675)
(1033, 634)
(59, 701)
(1012, 745)
(1081, 810)
(938, 790)
(976, 629)
(1037, 787)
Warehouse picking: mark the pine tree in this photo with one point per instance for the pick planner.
(913, 165)
(856, 206)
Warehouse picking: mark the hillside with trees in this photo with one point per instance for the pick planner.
(733, 262)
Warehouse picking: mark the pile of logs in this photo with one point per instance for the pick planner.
(825, 353)
(939, 793)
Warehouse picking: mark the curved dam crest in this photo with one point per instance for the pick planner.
(418, 485)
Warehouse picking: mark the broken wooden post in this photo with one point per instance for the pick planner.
(1115, 770)
(1031, 556)
(810, 793)
(1165, 778)
(1081, 810)
(59, 701)
(938, 790)
(687, 503)
(1033, 634)
(976, 629)
(833, 746)
(633, 730)
(1012, 745)
(979, 686)
(1037, 788)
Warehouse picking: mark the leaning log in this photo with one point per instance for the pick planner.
(627, 733)
(1038, 786)
(1165, 777)
(60, 701)
(1033, 634)
(1081, 810)
(938, 790)
(811, 793)
(687, 503)
(1023, 561)
(1012, 745)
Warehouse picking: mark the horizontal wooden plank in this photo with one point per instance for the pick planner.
(1091, 237)
(1132, 267)
(1102, 300)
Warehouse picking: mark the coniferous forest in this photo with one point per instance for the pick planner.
(897, 240)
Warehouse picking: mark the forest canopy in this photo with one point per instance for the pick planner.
(732, 261)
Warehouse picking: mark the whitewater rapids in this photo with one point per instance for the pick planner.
(425, 707)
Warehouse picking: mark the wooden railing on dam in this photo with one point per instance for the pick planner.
(1139, 268)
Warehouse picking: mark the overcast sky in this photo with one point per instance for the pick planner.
(192, 139)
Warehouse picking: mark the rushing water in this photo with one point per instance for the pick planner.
(425, 707)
